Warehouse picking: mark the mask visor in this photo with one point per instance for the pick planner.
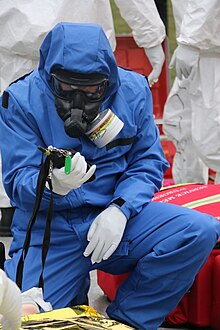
(66, 84)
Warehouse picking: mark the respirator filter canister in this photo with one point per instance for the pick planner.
(104, 128)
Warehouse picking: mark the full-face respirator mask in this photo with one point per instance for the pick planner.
(78, 98)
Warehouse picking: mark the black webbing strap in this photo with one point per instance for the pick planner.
(46, 241)
(42, 179)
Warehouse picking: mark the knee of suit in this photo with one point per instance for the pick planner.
(193, 236)
(203, 232)
(181, 253)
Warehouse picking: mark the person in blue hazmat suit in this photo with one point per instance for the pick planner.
(103, 214)
(19, 46)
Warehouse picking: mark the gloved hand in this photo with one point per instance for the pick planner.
(186, 59)
(11, 304)
(156, 57)
(63, 183)
(105, 234)
(32, 299)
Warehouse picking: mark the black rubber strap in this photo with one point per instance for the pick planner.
(42, 178)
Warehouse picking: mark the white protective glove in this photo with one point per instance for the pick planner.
(186, 59)
(33, 299)
(105, 234)
(63, 183)
(156, 57)
(11, 306)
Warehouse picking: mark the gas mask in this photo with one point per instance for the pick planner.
(78, 98)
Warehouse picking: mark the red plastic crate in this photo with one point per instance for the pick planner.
(169, 151)
(130, 56)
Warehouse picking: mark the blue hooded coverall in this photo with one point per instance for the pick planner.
(163, 246)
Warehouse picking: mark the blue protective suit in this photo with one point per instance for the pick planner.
(163, 246)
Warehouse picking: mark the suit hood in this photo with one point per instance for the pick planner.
(80, 48)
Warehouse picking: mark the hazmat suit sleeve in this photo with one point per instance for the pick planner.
(144, 20)
(146, 163)
(201, 24)
(21, 163)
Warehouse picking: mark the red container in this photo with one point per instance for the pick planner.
(215, 323)
(129, 55)
(197, 306)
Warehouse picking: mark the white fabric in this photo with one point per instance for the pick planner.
(19, 50)
(4, 200)
(205, 105)
(200, 24)
(105, 234)
(156, 57)
(186, 59)
(10, 303)
(217, 178)
(179, 8)
(148, 31)
(198, 97)
(63, 183)
(35, 296)
(143, 18)
(177, 119)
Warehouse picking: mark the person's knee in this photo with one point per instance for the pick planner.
(206, 229)
(192, 232)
